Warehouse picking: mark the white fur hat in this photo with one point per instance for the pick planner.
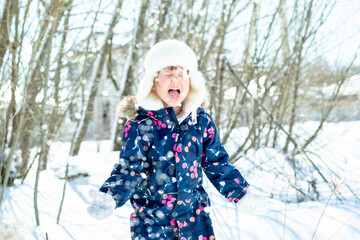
(171, 53)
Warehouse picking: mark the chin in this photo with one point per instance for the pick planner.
(174, 105)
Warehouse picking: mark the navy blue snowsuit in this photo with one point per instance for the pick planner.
(161, 171)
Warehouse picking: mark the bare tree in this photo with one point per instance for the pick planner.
(128, 78)
(10, 9)
(81, 130)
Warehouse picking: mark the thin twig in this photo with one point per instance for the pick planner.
(220, 224)
(344, 224)
(322, 214)
(287, 194)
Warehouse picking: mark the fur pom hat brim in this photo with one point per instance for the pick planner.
(171, 53)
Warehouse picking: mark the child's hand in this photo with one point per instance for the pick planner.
(102, 205)
(253, 203)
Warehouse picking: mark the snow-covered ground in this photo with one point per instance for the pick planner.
(337, 146)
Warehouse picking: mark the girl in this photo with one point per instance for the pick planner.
(167, 146)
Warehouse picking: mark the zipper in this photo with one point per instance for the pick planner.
(177, 134)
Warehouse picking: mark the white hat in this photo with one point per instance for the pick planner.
(171, 53)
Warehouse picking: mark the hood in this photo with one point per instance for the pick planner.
(171, 53)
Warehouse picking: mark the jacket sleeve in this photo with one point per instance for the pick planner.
(226, 178)
(128, 173)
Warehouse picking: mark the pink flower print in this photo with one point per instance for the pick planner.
(174, 148)
(127, 128)
(133, 217)
(150, 113)
(201, 208)
(160, 123)
(184, 165)
(194, 172)
(211, 130)
(172, 222)
(179, 149)
(155, 122)
(205, 132)
(183, 238)
(167, 112)
(180, 224)
(237, 180)
(168, 200)
(230, 199)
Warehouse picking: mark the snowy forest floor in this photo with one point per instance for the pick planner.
(338, 145)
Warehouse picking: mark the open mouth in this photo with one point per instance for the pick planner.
(174, 93)
(174, 89)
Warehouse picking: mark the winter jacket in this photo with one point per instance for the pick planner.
(161, 170)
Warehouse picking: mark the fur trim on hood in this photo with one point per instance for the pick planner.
(128, 107)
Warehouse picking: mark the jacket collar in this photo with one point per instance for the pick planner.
(129, 108)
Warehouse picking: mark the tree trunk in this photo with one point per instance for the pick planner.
(36, 83)
(10, 9)
(128, 77)
(81, 130)
(161, 28)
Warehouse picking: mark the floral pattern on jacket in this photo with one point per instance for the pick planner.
(161, 170)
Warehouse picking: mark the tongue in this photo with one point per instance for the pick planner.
(174, 94)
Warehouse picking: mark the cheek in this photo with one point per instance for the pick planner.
(186, 88)
(159, 89)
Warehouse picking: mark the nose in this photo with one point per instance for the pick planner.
(175, 78)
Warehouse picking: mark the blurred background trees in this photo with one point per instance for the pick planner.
(65, 64)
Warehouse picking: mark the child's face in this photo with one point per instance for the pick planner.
(172, 86)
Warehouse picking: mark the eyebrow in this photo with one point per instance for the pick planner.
(173, 68)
